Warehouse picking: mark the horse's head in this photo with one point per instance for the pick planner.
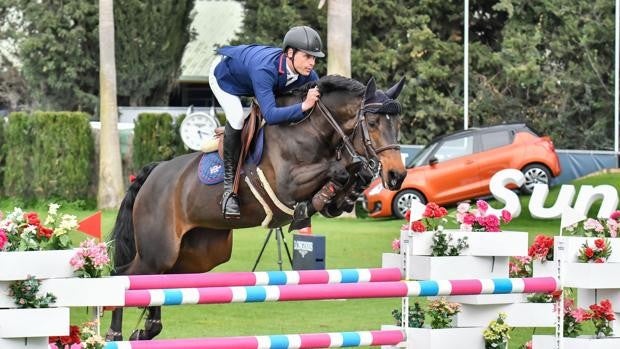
(380, 124)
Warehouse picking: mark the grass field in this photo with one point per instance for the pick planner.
(351, 243)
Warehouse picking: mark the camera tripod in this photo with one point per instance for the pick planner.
(279, 240)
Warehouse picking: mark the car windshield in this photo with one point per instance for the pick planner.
(420, 158)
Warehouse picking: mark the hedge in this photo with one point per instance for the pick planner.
(49, 155)
(156, 138)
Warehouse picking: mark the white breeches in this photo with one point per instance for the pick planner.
(230, 103)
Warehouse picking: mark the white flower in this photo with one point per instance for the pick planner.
(53, 210)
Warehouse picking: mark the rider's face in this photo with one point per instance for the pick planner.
(303, 62)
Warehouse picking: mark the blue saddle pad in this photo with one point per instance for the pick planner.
(211, 167)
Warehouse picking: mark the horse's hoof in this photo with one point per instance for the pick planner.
(152, 328)
(138, 335)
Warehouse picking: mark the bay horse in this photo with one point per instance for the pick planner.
(169, 222)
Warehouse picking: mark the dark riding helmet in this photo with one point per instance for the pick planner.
(304, 39)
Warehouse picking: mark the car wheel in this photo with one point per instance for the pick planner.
(535, 174)
(402, 201)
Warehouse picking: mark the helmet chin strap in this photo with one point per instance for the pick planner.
(293, 61)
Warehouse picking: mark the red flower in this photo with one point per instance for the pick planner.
(418, 227)
(469, 218)
(434, 211)
(589, 252)
(408, 215)
(599, 243)
(45, 232)
(599, 260)
(32, 218)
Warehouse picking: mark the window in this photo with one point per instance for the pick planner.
(455, 148)
(495, 139)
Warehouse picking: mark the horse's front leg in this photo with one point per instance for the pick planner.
(337, 177)
(152, 325)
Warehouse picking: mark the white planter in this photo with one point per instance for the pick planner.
(76, 292)
(24, 343)
(546, 268)
(41, 264)
(426, 338)
(505, 243)
(41, 322)
(584, 342)
(392, 260)
(573, 244)
(517, 314)
(591, 275)
(457, 267)
(488, 299)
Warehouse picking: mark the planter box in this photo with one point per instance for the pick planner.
(505, 243)
(518, 314)
(591, 275)
(42, 264)
(426, 338)
(457, 267)
(76, 292)
(548, 268)
(546, 342)
(573, 244)
(392, 260)
(41, 322)
(24, 343)
(487, 299)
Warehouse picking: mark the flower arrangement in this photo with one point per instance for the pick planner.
(431, 220)
(26, 294)
(545, 297)
(478, 218)
(574, 317)
(23, 231)
(91, 259)
(597, 227)
(595, 254)
(520, 267)
(67, 341)
(601, 315)
(542, 248)
(396, 245)
(443, 244)
(416, 316)
(496, 335)
(90, 338)
(442, 312)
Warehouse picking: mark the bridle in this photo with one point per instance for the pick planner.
(370, 158)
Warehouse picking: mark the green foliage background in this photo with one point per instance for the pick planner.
(548, 62)
(49, 155)
(156, 138)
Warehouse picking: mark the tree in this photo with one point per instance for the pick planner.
(339, 37)
(110, 187)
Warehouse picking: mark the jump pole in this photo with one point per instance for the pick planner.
(390, 289)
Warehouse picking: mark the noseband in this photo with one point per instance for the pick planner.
(371, 153)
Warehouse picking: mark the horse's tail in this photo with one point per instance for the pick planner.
(122, 234)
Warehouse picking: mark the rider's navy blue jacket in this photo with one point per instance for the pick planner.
(260, 71)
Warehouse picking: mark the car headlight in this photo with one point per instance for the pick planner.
(376, 189)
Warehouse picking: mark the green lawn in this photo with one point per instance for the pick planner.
(351, 243)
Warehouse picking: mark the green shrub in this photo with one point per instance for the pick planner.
(17, 181)
(2, 151)
(153, 139)
(179, 146)
(63, 155)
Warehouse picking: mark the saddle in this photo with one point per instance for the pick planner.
(250, 129)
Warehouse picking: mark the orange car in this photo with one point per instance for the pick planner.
(459, 166)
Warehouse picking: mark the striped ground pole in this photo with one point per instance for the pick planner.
(249, 294)
(333, 276)
(310, 340)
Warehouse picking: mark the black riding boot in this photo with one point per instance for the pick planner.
(232, 148)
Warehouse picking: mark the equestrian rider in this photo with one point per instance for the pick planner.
(263, 72)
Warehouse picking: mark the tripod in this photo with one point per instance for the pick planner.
(280, 240)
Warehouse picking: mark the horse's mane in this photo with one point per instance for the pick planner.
(332, 83)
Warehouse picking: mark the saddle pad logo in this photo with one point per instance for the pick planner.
(211, 169)
(303, 247)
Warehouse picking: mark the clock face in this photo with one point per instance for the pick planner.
(197, 128)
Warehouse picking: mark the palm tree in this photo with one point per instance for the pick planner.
(338, 37)
(110, 188)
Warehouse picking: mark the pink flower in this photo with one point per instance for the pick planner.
(3, 239)
(580, 315)
(396, 245)
(482, 206)
(463, 207)
(506, 216)
(469, 219)
(615, 215)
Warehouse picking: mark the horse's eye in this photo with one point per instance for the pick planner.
(372, 123)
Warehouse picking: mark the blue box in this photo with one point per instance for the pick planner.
(308, 252)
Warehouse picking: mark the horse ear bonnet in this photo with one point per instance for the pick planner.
(385, 102)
